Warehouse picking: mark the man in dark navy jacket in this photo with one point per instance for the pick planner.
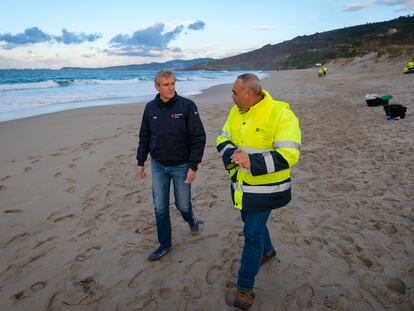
(172, 132)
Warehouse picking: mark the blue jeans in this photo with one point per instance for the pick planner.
(257, 243)
(161, 180)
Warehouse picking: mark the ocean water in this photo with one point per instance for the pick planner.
(25, 93)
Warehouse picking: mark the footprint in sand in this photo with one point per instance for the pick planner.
(84, 235)
(19, 237)
(72, 165)
(166, 293)
(213, 274)
(35, 161)
(70, 190)
(18, 297)
(28, 168)
(38, 286)
(147, 301)
(5, 177)
(58, 174)
(84, 292)
(192, 291)
(44, 241)
(301, 297)
(13, 211)
(315, 243)
(3, 187)
(64, 217)
(397, 285)
(27, 292)
(370, 264)
(90, 252)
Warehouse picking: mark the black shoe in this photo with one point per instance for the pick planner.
(158, 253)
(193, 223)
(244, 299)
(268, 256)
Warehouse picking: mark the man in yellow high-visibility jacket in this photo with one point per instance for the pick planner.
(259, 143)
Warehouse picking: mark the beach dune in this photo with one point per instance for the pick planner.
(77, 225)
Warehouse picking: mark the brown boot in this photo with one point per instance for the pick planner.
(244, 299)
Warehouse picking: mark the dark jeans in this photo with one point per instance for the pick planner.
(161, 180)
(257, 243)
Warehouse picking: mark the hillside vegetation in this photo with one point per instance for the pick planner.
(391, 37)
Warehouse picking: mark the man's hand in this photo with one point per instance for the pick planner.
(191, 176)
(241, 158)
(141, 171)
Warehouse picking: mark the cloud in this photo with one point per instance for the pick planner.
(68, 37)
(263, 27)
(34, 35)
(30, 35)
(351, 7)
(406, 4)
(148, 42)
(198, 25)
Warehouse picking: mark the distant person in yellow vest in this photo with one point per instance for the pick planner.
(409, 68)
(320, 73)
(325, 70)
(259, 143)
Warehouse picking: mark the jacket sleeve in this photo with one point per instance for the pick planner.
(286, 147)
(144, 139)
(197, 136)
(225, 146)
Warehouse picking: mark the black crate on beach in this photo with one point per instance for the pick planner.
(394, 111)
(374, 100)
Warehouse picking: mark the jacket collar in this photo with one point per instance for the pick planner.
(170, 103)
(266, 98)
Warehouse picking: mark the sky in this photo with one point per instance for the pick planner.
(91, 33)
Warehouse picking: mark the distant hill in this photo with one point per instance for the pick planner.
(393, 37)
(173, 64)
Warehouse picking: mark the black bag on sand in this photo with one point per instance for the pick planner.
(395, 110)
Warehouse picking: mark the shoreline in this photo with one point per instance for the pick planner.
(193, 97)
(186, 88)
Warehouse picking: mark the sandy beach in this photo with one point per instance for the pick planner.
(77, 225)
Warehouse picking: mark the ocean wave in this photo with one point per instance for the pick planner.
(28, 86)
(63, 83)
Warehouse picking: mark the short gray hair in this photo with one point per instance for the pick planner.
(163, 73)
(251, 81)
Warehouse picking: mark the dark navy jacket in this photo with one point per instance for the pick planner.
(171, 132)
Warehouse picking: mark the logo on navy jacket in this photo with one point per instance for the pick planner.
(176, 115)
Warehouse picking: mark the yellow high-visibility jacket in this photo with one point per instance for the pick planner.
(269, 132)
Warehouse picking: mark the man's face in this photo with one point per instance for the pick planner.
(166, 88)
(240, 95)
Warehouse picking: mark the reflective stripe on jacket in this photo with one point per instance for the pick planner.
(269, 132)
